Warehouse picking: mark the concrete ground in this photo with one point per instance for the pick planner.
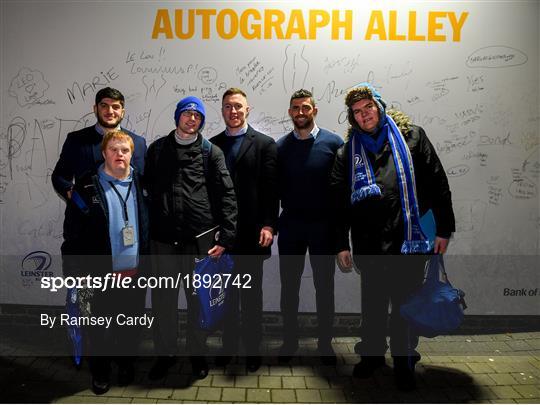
(497, 368)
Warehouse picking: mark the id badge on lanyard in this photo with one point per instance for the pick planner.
(128, 231)
(128, 235)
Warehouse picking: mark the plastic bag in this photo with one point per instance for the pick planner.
(213, 295)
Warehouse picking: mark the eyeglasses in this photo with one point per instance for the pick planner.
(189, 113)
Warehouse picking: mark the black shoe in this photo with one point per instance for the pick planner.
(253, 363)
(126, 375)
(287, 351)
(199, 367)
(405, 379)
(161, 367)
(222, 360)
(404, 374)
(100, 385)
(327, 355)
(367, 366)
(358, 348)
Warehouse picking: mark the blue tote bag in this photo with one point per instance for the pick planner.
(437, 307)
(213, 295)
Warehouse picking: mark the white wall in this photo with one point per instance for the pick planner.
(477, 99)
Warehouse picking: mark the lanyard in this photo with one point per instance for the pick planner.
(122, 201)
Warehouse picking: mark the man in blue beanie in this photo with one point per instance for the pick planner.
(190, 192)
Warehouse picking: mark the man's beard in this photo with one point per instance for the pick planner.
(107, 125)
(307, 123)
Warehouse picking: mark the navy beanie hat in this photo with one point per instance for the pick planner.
(192, 104)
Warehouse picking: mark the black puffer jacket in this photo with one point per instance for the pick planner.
(182, 204)
(377, 224)
(89, 245)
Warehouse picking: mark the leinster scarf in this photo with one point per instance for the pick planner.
(363, 184)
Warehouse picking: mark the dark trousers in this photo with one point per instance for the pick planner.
(244, 307)
(388, 279)
(296, 237)
(175, 262)
(119, 342)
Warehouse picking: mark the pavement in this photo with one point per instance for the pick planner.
(494, 368)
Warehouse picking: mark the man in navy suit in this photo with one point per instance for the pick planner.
(81, 153)
(251, 158)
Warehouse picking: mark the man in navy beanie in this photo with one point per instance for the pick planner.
(190, 192)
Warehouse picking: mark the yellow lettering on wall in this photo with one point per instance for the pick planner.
(162, 24)
(345, 24)
(317, 19)
(457, 25)
(252, 31)
(273, 20)
(304, 24)
(434, 26)
(178, 24)
(206, 13)
(392, 28)
(296, 25)
(221, 23)
(413, 36)
(376, 26)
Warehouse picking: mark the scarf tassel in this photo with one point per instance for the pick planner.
(364, 192)
(417, 246)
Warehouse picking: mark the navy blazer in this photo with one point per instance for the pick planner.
(255, 183)
(81, 153)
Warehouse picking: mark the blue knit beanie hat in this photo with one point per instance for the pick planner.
(192, 104)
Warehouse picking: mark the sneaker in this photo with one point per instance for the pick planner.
(199, 367)
(253, 363)
(287, 351)
(100, 386)
(367, 366)
(161, 367)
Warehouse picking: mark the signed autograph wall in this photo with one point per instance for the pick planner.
(466, 71)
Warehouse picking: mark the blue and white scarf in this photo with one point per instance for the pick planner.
(363, 182)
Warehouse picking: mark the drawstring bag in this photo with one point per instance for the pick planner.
(437, 307)
(215, 281)
(74, 331)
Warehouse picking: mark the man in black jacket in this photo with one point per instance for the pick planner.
(251, 159)
(385, 176)
(190, 192)
(81, 153)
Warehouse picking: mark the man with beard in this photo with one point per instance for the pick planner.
(81, 153)
(251, 158)
(305, 159)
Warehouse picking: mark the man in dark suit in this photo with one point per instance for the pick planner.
(251, 158)
(81, 153)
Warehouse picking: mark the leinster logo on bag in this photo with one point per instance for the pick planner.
(216, 296)
(213, 296)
